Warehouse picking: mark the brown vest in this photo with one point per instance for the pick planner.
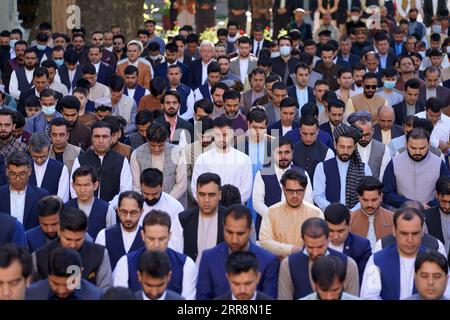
(359, 223)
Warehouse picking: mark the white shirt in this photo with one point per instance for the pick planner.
(339, 248)
(87, 208)
(302, 96)
(198, 95)
(17, 203)
(286, 129)
(320, 184)
(63, 184)
(371, 235)
(204, 72)
(128, 238)
(441, 247)
(233, 167)
(126, 182)
(441, 130)
(256, 44)
(364, 152)
(163, 296)
(259, 191)
(190, 272)
(371, 284)
(14, 83)
(173, 207)
(243, 67)
(97, 67)
(189, 114)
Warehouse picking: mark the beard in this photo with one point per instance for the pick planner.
(283, 164)
(152, 202)
(5, 135)
(344, 157)
(171, 112)
(363, 143)
(369, 94)
(416, 158)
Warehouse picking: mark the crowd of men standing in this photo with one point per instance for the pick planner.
(314, 165)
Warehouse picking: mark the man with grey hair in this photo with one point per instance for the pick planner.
(47, 173)
(372, 152)
(199, 68)
(146, 72)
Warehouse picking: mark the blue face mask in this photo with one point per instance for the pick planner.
(41, 47)
(59, 62)
(389, 85)
(285, 51)
(436, 28)
(49, 111)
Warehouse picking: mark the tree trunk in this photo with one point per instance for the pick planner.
(100, 15)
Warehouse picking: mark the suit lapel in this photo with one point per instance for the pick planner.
(28, 204)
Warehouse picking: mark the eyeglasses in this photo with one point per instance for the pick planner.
(117, 43)
(40, 157)
(21, 175)
(371, 87)
(133, 213)
(292, 192)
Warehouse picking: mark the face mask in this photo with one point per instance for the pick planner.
(49, 111)
(436, 28)
(448, 49)
(59, 62)
(355, 18)
(275, 54)
(285, 51)
(154, 58)
(41, 47)
(389, 85)
(12, 43)
(422, 53)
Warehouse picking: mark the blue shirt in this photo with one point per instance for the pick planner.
(19, 235)
(256, 152)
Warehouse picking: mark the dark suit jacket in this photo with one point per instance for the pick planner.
(212, 281)
(400, 111)
(278, 67)
(292, 92)
(259, 296)
(195, 74)
(41, 291)
(396, 131)
(326, 127)
(64, 75)
(359, 249)
(353, 59)
(266, 44)
(434, 223)
(189, 221)
(403, 47)
(391, 57)
(161, 71)
(33, 195)
(442, 93)
(181, 124)
(3, 178)
(104, 73)
(170, 295)
(277, 127)
(428, 10)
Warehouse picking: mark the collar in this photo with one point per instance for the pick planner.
(163, 297)
(44, 165)
(20, 193)
(252, 298)
(89, 204)
(172, 122)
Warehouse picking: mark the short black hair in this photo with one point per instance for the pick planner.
(369, 183)
(258, 115)
(204, 104)
(116, 83)
(173, 93)
(219, 85)
(152, 178)
(315, 228)
(71, 57)
(335, 103)
(434, 105)
(157, 132)
(69, 102)
(40, 72)
(73, 219)
(241, 261)
(432, 256)
(279, 86)
(156, 264)
(157, 217)
(85, 171)
(418, 133)
(157, 86)
(129, 70)
(19, 159)
(309, 121)
(144, 117)
(408, 214)
(208, 178)
(49, 206)
(222, 122)
(62, 260)
(326, 269)
(11, 252)
(117, 123)
(443, 185)
(370, 75)
(132, 195)
(336, 213)
(230, 196)
(231, 95)
(294, 174)
(238, 212)
(288, 102)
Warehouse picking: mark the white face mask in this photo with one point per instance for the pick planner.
(448, 49)
(49, 110)
(285, 51)
(275, 54)
(355, 18)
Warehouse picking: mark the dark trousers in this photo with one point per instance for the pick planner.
(280, 22)
(205, 19)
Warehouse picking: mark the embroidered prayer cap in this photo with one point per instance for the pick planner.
(359, 115)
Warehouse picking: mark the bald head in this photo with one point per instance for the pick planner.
(386, 117)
